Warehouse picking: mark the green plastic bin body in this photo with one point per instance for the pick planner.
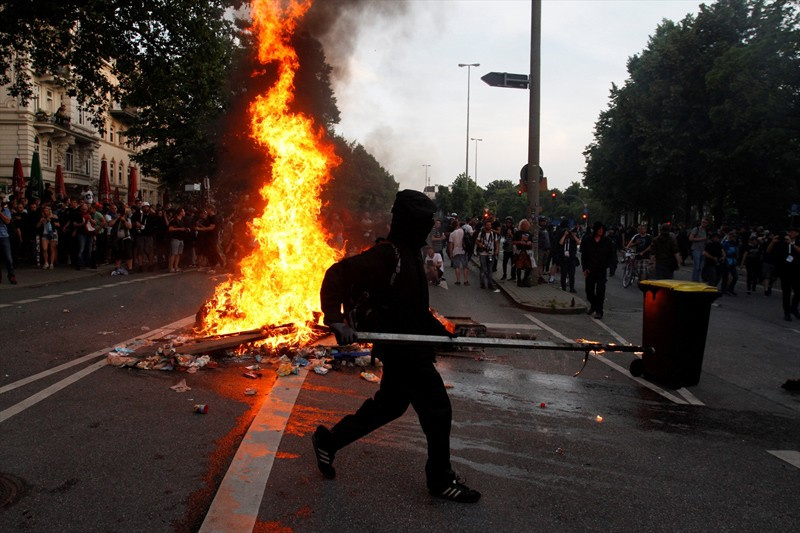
(675, 324)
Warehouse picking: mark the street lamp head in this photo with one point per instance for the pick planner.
(469, 64)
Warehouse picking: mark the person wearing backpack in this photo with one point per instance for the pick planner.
(384, 289)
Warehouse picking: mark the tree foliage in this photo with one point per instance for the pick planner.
(708, 120)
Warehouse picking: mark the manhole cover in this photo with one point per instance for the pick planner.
(10, 489)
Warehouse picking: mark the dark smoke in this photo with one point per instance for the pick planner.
(337, 24)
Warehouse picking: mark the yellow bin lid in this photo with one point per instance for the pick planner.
(678, 285)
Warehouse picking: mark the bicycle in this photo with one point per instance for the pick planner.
(630, 272)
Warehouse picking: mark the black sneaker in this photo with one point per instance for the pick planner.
(324, 452)
(456, 491)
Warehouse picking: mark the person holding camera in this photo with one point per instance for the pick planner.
(785, 249)
(122, 242)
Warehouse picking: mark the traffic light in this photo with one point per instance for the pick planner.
(584, 216)
(523, 186)
(553, 195)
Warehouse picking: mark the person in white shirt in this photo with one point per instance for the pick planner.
(434, 266)
(459, 255)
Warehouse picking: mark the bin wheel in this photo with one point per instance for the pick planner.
(637, 368)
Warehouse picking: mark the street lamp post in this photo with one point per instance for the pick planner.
(476, 157)
(426, 174)
(469, 67)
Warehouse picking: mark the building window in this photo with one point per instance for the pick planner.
(81, 115)
(119, 137)
(37, 98)
(49, 101)
(36, 144)
(87, 164)
(121, 173)
(48, 154)
(111, 170)
(69, 160)
(111, 134)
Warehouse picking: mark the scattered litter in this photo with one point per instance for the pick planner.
(560, 451)
(287, 369)
(598, 418)
(253, 367)
(201, 409)
(448, 385)
(362, 360)
(543, 405)
(122, 350)
(118, 360)
(258, 358)
(369, 376)
(250, 392)
(321, 370)
(145, 328)
(299, 361)
(252, 375)
(65, 311)
(181, 386)
(105, 332)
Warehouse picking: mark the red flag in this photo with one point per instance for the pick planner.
(18, 179)
(132, 187)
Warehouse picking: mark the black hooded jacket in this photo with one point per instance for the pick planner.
(386, 285)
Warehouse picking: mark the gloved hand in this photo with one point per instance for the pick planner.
(344, 333)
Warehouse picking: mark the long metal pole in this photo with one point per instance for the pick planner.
(466, 166)
(534, 119)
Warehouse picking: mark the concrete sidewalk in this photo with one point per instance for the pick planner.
(544, 298)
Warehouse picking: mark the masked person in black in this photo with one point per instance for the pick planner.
(384, 289)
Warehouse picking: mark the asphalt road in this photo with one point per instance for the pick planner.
(95, 448)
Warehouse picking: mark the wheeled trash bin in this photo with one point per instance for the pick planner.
(675, 324)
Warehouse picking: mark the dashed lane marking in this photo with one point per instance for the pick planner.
(88, 289)
(238, 499)
(790, 456)
(690, 398)
(72, 378)
(526, 327)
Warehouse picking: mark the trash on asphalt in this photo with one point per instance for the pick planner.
(252, 375)
(369, 376)
(543, 405)
(181, 386)
(201, 408)
(250, 391)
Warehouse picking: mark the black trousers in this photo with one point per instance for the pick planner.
(415, 383)
(790, 286)
(596, 290)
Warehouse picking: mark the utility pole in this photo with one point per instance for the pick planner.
(534, 107)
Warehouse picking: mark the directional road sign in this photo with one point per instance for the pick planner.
(506, 79)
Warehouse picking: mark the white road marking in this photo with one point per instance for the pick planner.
(238, 499)
(49, 296)
(49, 391)
(24, 301)
(690, 398)
(790, 456)
(526, 327)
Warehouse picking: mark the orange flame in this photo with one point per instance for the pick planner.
(281, 278)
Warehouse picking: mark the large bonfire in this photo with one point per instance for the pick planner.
(280, 280)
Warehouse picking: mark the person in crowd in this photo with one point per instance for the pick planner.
(208, 227)
(122, 241)
(434, 266)
(507, 239)
(99, 223)
(436, 238)
(393, 274)
(730, 245)
(616, 240)
(48, 195)
(568, 255)
(48, 230)
(665, 253)
(487, 247)
(5, 243)
(83, 229)
(15, 229)
(640, 244)
(544, 245)
(768, 270)
(161, 238)
(698, 238)
(713, 259)
(596, 252)
(178, 232)
(459, 255)
(87, 196)
(751, 259)
(524, 260)
(30, 233)
(684, 245)
(110, 216)
(469, 228)
(144, 226)
(786, 250)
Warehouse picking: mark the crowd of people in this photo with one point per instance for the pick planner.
(83, 233)
(719, 257)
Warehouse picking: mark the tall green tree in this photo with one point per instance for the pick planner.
(707, 118)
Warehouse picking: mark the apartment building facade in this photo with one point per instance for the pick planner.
(68, 139)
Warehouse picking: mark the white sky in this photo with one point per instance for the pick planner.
(405, 98)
